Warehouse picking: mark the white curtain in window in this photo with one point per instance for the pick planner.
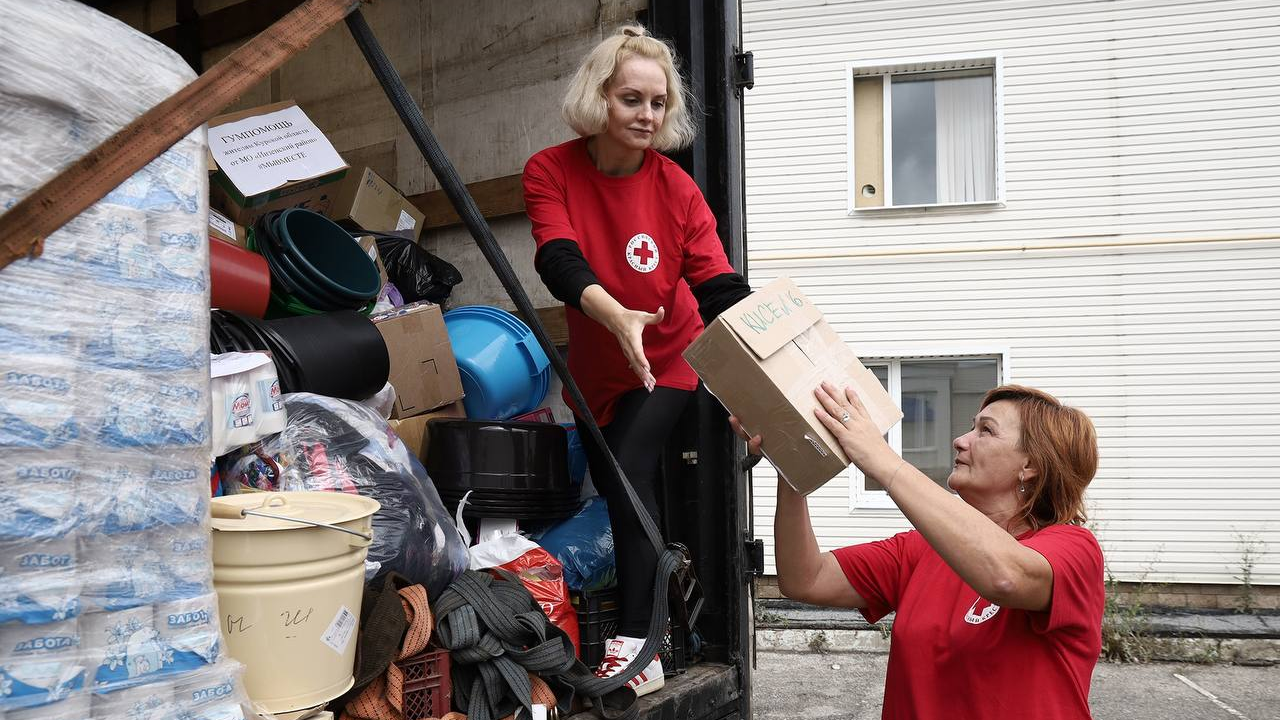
(966, 139)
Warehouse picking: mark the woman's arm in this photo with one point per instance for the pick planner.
(705, 267)
(564, 271)
(804, 573)
(626, 325)
(981, 552)
(720, 293)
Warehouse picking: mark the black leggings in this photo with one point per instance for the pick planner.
(639, 431)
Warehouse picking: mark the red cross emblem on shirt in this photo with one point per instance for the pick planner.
(642, 253)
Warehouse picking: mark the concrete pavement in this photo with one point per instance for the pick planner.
(850, 685)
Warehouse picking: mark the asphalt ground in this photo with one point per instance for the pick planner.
(850, 686)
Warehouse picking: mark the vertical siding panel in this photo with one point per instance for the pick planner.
(1134, 270)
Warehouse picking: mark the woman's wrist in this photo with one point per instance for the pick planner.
(600, 306)
(893, 477)
(887, 469)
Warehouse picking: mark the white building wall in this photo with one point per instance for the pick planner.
(1134, 269)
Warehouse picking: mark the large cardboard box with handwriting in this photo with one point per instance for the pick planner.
(763, 358)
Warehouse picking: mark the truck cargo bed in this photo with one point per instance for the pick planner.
(707, 690)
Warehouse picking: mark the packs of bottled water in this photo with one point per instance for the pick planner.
(107, 607)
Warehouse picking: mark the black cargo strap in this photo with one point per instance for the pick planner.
(411, 115)
(496, 634)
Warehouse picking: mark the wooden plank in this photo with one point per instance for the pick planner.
(498, 197)
(231, 23)
(553, 319)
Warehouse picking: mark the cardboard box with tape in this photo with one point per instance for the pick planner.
(423, 370)
(763, 358)
(271, 158)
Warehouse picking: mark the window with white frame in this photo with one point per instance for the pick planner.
(925, 132)
(939, 397)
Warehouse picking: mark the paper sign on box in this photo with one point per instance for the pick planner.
(264, 152)
(763, 358)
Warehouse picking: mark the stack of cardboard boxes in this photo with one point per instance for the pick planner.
(272, 158)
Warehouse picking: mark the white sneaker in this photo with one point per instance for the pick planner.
(618, 654)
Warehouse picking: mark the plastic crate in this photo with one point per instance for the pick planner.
(674, 651)
(598, 622)
(428, 689)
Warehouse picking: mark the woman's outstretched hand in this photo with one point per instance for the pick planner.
(628, 327)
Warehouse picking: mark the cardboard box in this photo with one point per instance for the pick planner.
(415, 433)
(270, 158)
(318, 199)
(365, 201)
(222, 228)
(763, 358)
(423, 370)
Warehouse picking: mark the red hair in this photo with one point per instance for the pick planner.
(1062, 446)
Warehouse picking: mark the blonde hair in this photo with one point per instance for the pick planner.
(585, 107)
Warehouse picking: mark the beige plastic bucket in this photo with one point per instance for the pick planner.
(289, 592)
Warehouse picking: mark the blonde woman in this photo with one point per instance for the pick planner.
(626, 240)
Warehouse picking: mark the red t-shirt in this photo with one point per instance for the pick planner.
(647, 237)
(954, 655)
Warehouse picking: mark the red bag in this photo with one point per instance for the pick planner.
(538, 570)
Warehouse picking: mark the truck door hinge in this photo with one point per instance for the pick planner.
(744, 71)
(753, 551)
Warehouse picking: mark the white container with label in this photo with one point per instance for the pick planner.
(288, 569)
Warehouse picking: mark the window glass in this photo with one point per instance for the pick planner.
(938, 399)
(915, 143)
(943, 138)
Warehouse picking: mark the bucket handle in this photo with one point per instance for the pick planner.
(227, 512)
(533, 354)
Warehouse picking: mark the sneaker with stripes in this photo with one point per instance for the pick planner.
(618, 654)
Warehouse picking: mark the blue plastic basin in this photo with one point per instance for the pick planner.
(504, 371)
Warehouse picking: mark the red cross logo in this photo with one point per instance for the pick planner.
(642, 253)
(981, 611)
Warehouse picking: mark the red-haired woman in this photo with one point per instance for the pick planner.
(998, 598)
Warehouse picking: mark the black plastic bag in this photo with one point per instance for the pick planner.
(340, 446)
(416, 273)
